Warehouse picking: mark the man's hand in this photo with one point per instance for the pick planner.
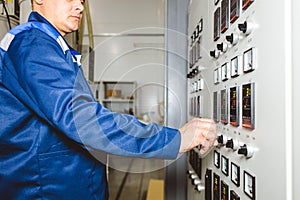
(198, 131)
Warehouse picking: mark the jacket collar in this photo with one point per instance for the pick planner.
(36, 17)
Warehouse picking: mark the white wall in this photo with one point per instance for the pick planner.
(114, 16)
(137, 53)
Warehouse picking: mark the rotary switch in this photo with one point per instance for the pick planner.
(245, 27)
(222, 139)
(222, 47)
(215, 54)
(246, 151)
(232, 38)
(232, 144)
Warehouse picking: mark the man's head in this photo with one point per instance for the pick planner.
(64, 15)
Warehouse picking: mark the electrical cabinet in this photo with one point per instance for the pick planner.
(246, 68)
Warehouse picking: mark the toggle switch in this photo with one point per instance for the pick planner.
(193, 176)
(232, 144)
(199, 188)
(222, 47)
(245, 27)
(196, 181)
(245, 150)
(215, 54)
(200, 84)
(232, 38)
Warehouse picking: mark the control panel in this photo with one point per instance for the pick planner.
(235, 76)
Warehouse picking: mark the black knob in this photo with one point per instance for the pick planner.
(189, 75)
(243, 150)
(229, 38)
(229, 144)
(220, 139)
(220, 46)
(243, 27)
(214, 54)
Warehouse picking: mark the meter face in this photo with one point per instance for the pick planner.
(224, 15)
(234, 10)
(224, 107)
(217, 24)
(234, 106)
(248, 106)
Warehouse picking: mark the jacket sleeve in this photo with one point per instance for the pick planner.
(48, 82)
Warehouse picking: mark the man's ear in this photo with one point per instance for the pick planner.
(38, 2)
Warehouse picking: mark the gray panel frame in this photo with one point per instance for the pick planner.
(296, 98)
(176, 101)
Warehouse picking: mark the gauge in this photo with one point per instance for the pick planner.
(224, 106)
(246, 4)
(217, 24)
(216, 187)
(225, 165)
(249, 185)
(216, 107)
(250, 60)
(225, 71)
(235, 67)
(217, 159)
(235, 174)
(224, 191)
(234, 10)
(248, 106)
(224, 15)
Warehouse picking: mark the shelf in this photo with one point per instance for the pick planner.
(117, 96)
(118, 101)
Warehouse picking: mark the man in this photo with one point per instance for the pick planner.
(51, 121)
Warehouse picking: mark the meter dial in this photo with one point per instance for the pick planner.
(235, 174)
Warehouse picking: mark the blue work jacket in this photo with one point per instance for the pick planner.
(53, 131)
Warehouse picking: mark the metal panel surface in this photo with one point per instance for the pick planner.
(265, 153)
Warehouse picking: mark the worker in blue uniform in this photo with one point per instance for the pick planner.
(51, 124)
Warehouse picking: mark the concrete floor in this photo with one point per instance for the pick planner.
(128, 178)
